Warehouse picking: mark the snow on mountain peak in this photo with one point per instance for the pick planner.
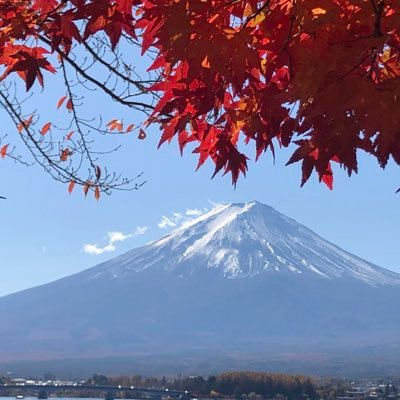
(244, 240)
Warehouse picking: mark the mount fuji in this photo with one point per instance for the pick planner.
(241, 279)
(240, 241)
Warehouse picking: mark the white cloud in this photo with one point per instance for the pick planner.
(118, 236)
(141, 230)
(194, 212)
(166, 222)
(214, 204)
(178, 219)
(113, 237)
(94, 250)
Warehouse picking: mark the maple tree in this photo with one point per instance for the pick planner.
(320, 75)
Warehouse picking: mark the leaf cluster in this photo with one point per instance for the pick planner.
(320, 76)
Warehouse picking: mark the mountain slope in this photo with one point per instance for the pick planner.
(245, 240)
(242, 277)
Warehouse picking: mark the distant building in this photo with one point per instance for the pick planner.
(18, 381)
(355, 394)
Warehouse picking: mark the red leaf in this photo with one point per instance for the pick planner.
(65, 153)
(169, 132)
(87, 187)
(114, 32)
(112, 122)
(182, 140)
(69, 105)
(69, 136)
(328, 180)
(115, 124)
(304, 149)
(98, 172)
(45, 128)
(71, 186)
(3, 151)
(61, 101)
(97, 193)
(142, 134)
(307, 167)
(26, 123)
(327, 177)
(130, 127)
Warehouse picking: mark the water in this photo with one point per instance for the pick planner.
(56, 398)
(59, 398)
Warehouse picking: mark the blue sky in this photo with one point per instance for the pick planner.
(44, 230)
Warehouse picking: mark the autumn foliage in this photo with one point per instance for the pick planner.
(319, 75)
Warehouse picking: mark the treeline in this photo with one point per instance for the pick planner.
(240, 385)
(126, 381)
(252, 384)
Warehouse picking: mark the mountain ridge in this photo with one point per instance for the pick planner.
(275, 242)
(226, 281)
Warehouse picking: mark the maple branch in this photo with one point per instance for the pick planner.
(137, 84)
(223, 5)
(18, 120)
(286, 48)
(9, 153)
(47, 14)
(355, 67)
(220, 71)
(50, 163)
(257, 13)
(132, 104)
(378, 9)
(75, 116)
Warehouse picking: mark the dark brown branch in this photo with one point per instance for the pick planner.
(105, 89)
(137, 84)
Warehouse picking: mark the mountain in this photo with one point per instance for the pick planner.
(244, 241)
(241, 281)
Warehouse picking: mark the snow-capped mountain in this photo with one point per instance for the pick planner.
(243, 241)
(241, 278)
